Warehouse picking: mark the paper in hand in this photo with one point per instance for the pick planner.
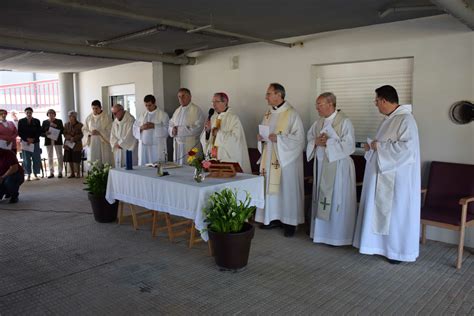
(27, 147)
(330, 132)
(3, 144)
(368, 154)
(53, 133)
(264, 131)
(69, 144)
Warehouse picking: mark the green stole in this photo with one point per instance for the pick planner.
(328, 173)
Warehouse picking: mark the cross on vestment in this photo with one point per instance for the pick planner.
(276, 164)
(324, 203)
(263, 172)
(267, 115)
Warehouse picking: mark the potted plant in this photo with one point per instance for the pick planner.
(96, 185)
(229, 232)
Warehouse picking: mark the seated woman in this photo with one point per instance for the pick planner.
(73, 143)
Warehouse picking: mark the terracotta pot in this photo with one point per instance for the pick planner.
(231, 250)
(103, 211)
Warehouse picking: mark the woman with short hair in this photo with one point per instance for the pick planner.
(73, 143)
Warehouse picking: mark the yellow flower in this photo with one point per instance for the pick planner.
(195, 150)
(190, 159)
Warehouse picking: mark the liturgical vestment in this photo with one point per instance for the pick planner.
(338, 229)
(152, 142)
(229, 141)
(98, 146)
(284, 198)
(122, 134)
(190, 122)
(388, 222)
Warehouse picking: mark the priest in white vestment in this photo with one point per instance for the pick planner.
(388, 222)
(96, 132)
(223, 137)
(151, 130)
(334, 202)
(121, 136)
(281, 163)
(186, 126)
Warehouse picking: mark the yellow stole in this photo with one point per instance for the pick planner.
(213, 140)
(274, 176)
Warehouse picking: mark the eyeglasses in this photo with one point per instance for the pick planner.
(217, 102)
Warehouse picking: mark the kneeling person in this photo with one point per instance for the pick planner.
(11, 175)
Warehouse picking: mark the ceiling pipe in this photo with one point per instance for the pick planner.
(82, 50)
(461, 9)
(391, 10)
(198, 29)
(127, 37)
(154, 20)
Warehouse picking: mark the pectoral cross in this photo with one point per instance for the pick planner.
(276, 164)
(324, 203)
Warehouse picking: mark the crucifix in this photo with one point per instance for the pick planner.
(324, 203)
(276, 165)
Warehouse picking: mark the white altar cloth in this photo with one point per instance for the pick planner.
(178, 193)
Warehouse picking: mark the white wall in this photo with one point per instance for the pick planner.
(94, 84)
(442, 49)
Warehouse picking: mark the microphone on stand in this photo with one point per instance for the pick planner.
(211, 113)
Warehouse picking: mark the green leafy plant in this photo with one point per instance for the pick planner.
(225, 213)
(96, 179)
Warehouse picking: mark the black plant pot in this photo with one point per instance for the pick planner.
(103, 211)
(231, 250)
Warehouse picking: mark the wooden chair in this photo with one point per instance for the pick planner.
(359, 165)
(448, 202)
(254, 156)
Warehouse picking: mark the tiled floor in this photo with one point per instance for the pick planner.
(55, 259)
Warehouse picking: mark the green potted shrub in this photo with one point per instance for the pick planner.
(96, 185)
(229, 232)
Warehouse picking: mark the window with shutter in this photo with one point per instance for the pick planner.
(354, 85)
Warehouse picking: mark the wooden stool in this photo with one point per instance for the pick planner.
(134, 215)
(169, 226)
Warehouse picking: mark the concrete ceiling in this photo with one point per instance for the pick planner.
(62, 36)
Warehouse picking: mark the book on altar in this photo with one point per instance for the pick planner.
(167, 165)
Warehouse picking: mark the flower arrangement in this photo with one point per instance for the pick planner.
(225, 213)
(96, 179)
(198, 161)
(195, 158)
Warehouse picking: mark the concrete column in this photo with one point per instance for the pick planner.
(166, 82)
(66, 94)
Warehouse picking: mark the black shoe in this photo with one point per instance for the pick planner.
(51, 176)
(289, 230)
(60, 176)
(13, 199)
(393, 261)
(273, 224)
